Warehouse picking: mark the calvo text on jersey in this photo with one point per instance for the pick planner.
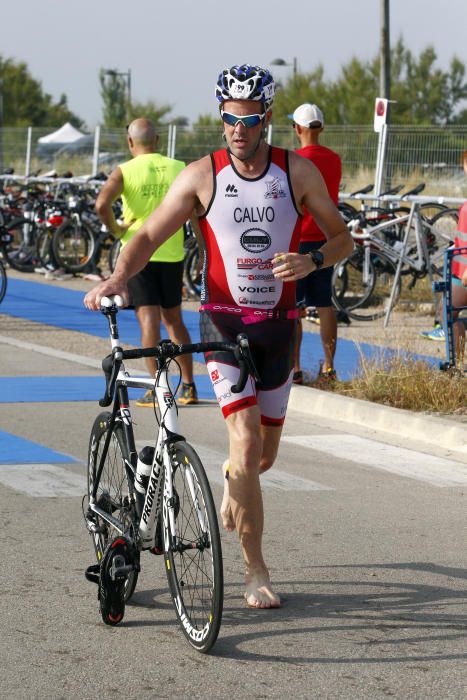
(253, 215)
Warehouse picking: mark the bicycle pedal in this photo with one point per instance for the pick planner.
(92, 573)
(119, 569)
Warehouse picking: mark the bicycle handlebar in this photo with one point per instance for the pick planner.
(166, 350)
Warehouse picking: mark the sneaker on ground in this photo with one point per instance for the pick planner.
(148, 399)
(435, 334)
(60, 274)
(188, 395)
(312, 316)
(94, 277)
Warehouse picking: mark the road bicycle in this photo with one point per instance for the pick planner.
(158, 501)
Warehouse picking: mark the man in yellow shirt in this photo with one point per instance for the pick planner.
(156, 291)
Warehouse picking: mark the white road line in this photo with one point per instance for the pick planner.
(62, 355)
(275, 479)
(42, 480)
(436, 471)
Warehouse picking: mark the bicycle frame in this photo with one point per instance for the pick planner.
(372, 243)
(148, 509)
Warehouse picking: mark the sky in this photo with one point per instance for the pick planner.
(175, 50)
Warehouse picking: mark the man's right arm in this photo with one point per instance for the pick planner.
(111, 191)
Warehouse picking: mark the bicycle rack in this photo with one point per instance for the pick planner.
(445, 287)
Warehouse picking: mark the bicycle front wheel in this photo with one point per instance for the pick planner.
(115, 490)
(193, 554)
(369, 285)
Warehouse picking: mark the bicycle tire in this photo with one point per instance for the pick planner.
(192, 275)
(19, 246)
(3, 281)
(44, 250)
(193, 554)
(444, 225)
(114, 252)
(348, 289)
(73, 245)
(115, 491)
(367, 301)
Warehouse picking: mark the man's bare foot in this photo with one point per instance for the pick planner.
(259, 593)
(226, 511)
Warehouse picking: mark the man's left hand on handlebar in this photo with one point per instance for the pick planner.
(109, 287)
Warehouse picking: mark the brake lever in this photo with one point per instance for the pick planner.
(111, 367)
(247, 366)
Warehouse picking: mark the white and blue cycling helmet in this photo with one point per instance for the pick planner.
(246, 82)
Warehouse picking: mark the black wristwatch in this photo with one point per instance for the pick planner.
(317, 257)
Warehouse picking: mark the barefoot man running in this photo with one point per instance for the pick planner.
(249, 199)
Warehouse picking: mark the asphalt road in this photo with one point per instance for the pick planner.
(368, 556)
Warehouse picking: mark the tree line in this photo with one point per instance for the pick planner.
(424, 94)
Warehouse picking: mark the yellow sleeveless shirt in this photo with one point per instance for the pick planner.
(146, 179)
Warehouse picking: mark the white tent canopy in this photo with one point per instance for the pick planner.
(66, 134)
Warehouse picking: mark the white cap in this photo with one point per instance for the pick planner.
(307, 115)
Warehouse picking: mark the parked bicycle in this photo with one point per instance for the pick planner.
(160, 500)
(369, 280)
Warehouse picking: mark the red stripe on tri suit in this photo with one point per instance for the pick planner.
(238, 405)
(216, 280)
(275, 422)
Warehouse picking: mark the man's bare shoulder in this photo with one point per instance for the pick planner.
(200, 167)
(299, 164)
(196, 179)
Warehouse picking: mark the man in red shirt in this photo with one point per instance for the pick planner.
(315, 289)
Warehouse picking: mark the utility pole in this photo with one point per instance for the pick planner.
(385, 53)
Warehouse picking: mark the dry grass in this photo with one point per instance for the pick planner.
(404, 382)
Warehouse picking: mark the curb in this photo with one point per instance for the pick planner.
(438, 432)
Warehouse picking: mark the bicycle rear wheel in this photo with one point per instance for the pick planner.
(73, 245)
(3, 281)
(114, 252)
(444, 226)
(115, 491)
(193, 552)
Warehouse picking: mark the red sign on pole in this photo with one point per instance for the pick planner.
(381, 113)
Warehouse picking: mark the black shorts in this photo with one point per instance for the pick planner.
(158, 284)
(272, 345)
(316, 288)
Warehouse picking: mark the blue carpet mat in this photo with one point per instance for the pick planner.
(64, 308)
(48, 389)
(17, 450)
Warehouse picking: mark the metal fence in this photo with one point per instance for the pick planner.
(431, 154)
